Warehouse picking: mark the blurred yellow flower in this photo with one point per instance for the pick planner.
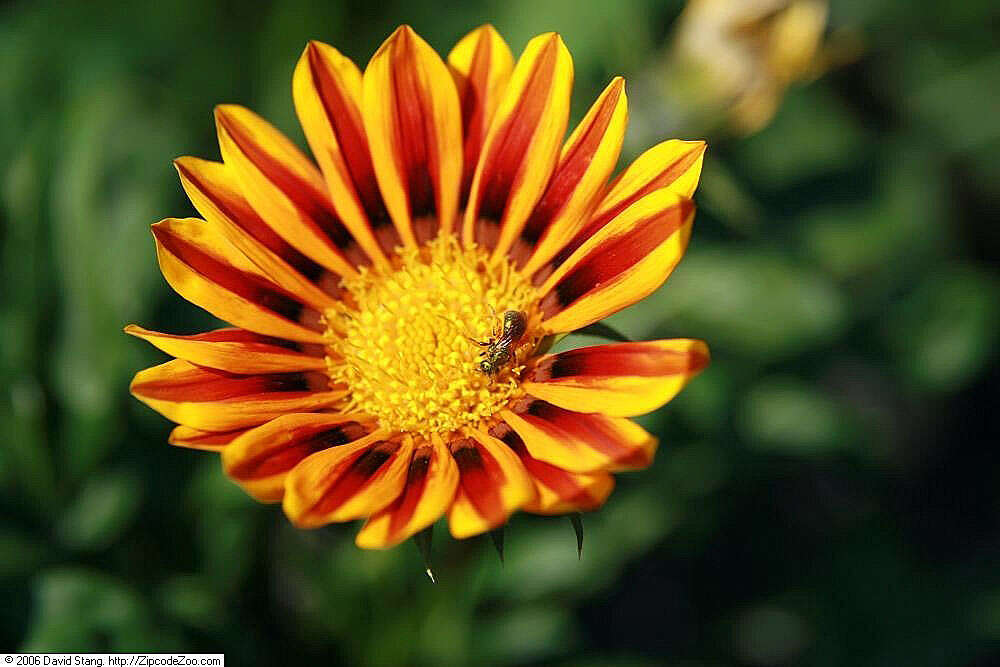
(745, 53)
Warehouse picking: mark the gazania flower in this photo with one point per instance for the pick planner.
(445, 203)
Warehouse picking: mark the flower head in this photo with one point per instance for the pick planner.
(744, 54)
(391, 308)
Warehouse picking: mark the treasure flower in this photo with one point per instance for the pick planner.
(392, 303)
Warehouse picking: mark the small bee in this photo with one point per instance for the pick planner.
(500, 347)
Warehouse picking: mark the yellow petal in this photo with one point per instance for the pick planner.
(522, 145)
(210, 441)
(580, 442)
(213, 400)
(622, 380)
(347, 482)
(559, 491)
(204, 268)
(414, 127)
(623, 262)
(259, 459)
(481, 63)
(232, 350)
(214, 191)
(327, 93)
(587, 160)
(492, 484)
(674, 165)
(430, 487)
(285, 188)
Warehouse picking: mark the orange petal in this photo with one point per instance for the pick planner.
(327, 92)
(259, 459)
(414, 128)
(493, 483)
(233, 350)
(674, 165)
(522, 145)
(347, 482)
(587, 160)
(215, 192)
(204, 268)
(580, 442)
(622, 380)
(624, 262)
(559, 491)
(481, 63)
(430, 487)
(286, 189)
(210, 441)
(213, 400)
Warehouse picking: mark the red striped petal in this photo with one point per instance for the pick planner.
(580, 442)
(327, 91)
(233, 350)
(674, 165)
(522, 147)
(260, 459)
(624, 262)
(414, 127)
(213, 400)
(210, 441)
(624, 379)
(430, 487)
(215, 192)
(492, 484)
(481, 63)
(587, 160)
(559, 491)
(347, 482)
(204, 268)
(287, 190)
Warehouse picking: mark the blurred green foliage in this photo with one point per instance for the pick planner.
(825, 494)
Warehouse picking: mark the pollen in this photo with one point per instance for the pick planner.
(402, 340)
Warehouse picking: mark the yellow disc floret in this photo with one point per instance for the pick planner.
(400, 341)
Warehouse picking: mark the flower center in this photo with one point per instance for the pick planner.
(400, 341)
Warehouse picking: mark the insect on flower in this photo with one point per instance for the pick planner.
(500, 347)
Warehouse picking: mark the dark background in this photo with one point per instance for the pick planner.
(825, 494)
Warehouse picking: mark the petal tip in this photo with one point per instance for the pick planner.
(226, 113)
(404, 32)
(699, 145)
(552, 40)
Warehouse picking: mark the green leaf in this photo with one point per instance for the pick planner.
(497, 537)
(602, 330)
(577, 521)
(423, 541)
(79, 610)
(698, 469)
(886, 236)
(784, 414)
(104, 508)
(20, 555)
(193, 601)
(813, 133)
(945, 331)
